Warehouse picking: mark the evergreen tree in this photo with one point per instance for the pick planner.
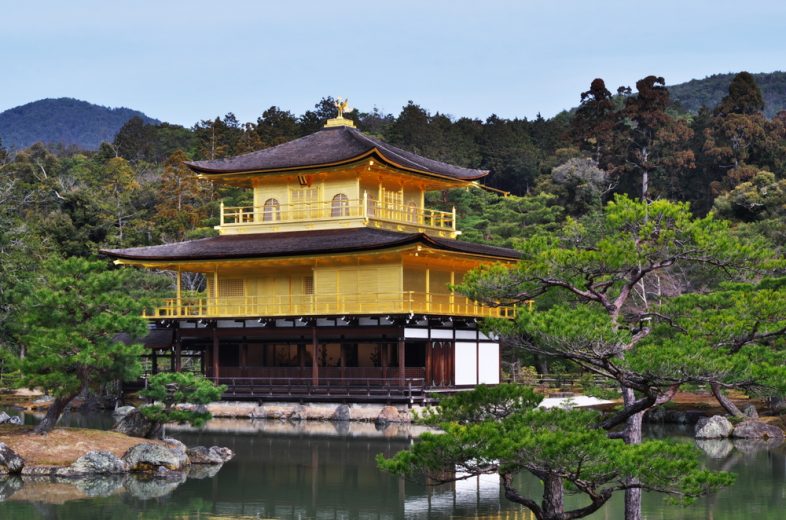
(73, 316)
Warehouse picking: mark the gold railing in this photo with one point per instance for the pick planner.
(406, 302)
(336, 210)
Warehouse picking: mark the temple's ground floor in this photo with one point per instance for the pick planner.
(349, 358)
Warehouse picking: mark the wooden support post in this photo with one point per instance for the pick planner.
(428, 289)
(401, 361)
(343, 361)
(178, 363)
(244, 359)
(154, 361)
(429, 347)
(214, 357)
(179, 311)
(314, 357)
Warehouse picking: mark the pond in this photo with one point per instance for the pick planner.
(327, 470)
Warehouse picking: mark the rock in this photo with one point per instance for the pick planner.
(715, 448)
(715, 427)
(4, 417)
(175, 444)
(122, 411)
(15, 419)
(756, 430)
(203, 455)
(10, 462)
(137, 425)
(298, 414)
(212, 455)
(151, 457)
(98, 463)
(342, 413)
(44, 399)
(225, 454)
(388, 414)
(750, 411)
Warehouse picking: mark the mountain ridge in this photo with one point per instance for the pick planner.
(65, 121)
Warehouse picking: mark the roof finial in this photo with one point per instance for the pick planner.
(342, 105)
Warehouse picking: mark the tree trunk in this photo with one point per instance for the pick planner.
(724, 401)
(53, 414)
(553, 504)
(632, 436)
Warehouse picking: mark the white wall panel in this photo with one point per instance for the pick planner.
(441, 334)
(466, 363)
(415, 333)
(489, 363)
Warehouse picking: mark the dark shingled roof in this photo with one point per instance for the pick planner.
(331, 146)
(295, 243)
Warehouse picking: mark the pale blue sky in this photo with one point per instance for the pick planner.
(181, 61)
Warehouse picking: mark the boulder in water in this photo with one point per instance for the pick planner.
(756, 430)
(10, 462)
(152, 457)
(715, 427)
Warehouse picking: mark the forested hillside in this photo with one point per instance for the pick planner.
(696, 93)
(135, 191)
(64, 121)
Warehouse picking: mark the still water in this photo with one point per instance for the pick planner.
(327, 471)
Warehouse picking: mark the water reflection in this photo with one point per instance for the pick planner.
(323, 470)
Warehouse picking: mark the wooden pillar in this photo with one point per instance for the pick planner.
(384, 360)
(179, 293)
(244, 359)
(202, 353)
(343, 361)
(428, 362)
(428, 289)
(401, 361)
(214, 357)
(178, 355)
(154, 361)
(314, 357)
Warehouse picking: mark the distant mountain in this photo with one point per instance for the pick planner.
(709, 91)
(66, 121)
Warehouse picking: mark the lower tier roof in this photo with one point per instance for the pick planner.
(300, 243)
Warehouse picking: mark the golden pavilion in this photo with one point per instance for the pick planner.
(335, 284)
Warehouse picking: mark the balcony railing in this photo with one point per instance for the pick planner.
(406, 302)
(275, 215)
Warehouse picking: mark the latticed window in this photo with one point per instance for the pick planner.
(308, 285)
(304, 202)
(339, 207)
(227, 288)
(271, 211)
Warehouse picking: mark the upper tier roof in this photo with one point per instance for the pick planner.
(331, 147)
(299, 243)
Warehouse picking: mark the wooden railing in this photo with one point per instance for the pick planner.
(411, 390)
(406, 302)
(337, 210)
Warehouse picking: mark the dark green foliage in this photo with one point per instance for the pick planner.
(562, 448)
(482, 404)
(67, 121)
(167, 390)
(79, 321)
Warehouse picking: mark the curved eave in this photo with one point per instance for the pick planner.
(222, 173)
(393, 246)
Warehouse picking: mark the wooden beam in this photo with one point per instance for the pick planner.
(178, 362)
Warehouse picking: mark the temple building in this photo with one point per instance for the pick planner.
(335, 284)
